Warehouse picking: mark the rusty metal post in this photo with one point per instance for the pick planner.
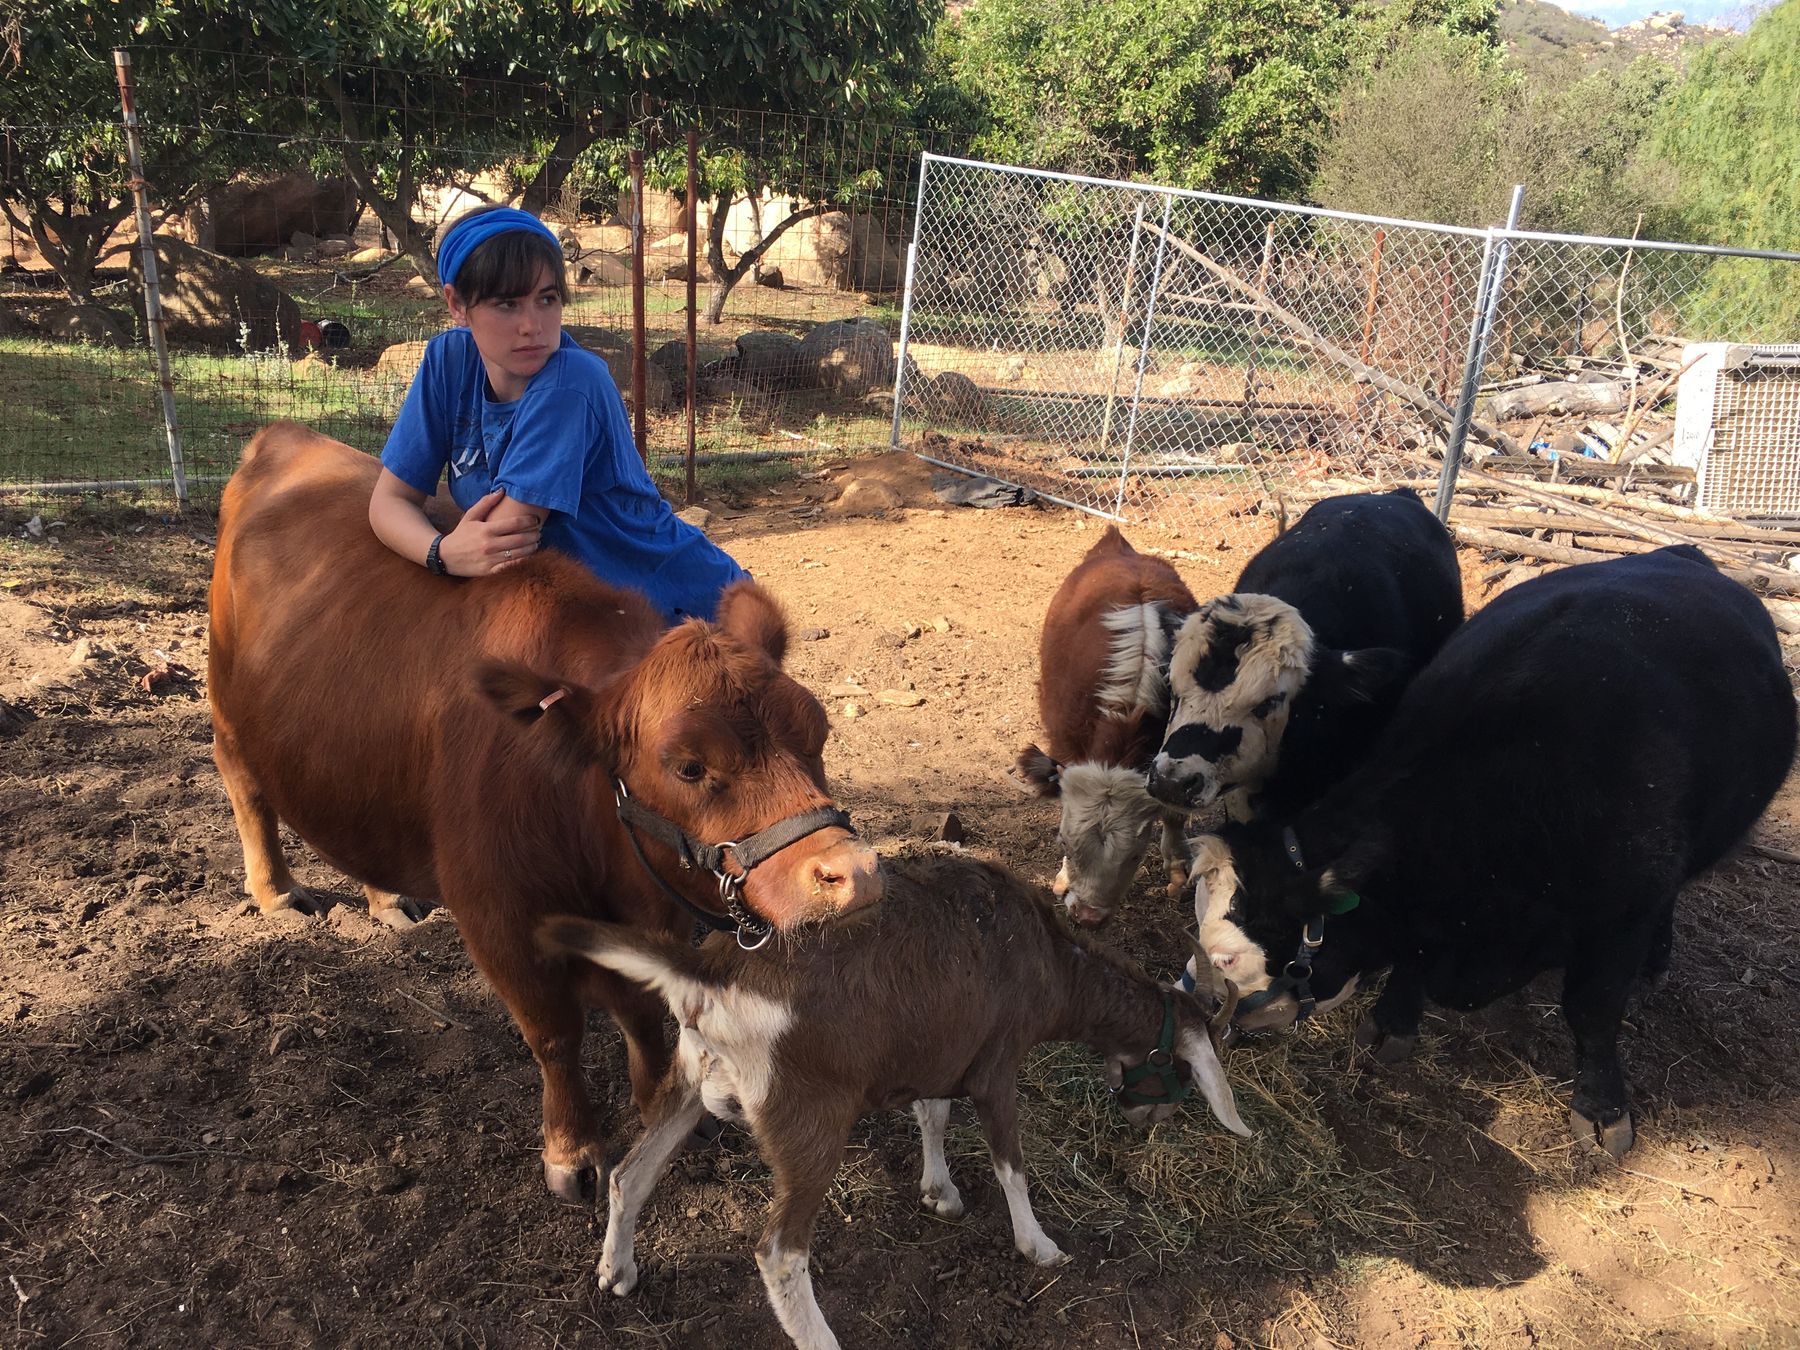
(693, 270)
(639, 337)
(153, 316)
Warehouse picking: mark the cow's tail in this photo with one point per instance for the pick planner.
(665, 967)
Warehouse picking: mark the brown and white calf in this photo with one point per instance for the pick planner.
(937, 992)
(1103, 696)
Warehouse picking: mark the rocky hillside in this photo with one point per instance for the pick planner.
(1535, 30)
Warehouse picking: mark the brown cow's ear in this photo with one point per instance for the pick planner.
(1041, 773)
(565, 711)
(751, 614)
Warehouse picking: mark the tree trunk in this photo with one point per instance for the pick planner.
(570, 142)
(725, 277)
(394, 213)
(71, 243)
(1566, 396)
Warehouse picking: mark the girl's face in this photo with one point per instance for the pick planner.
(515, 335)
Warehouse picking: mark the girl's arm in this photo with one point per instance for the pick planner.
(493, 534)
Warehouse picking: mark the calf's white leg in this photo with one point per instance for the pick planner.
(937, 1191)
(634, 1178)
(999, 1111)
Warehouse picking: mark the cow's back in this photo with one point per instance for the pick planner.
(1638, 706)
(1075, 651)
(344, 675)
(1366, 570)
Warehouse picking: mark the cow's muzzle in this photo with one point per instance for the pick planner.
(730, 861)
(1184, 794)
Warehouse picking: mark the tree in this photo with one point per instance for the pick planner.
(1727, 134)
(1442, 126)
(63, 174)
(1222, 94)
(425, 90)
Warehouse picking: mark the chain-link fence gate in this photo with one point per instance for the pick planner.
(1186, 359)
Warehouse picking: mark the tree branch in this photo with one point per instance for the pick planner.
(1410, 394)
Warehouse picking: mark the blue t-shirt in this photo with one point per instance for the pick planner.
(564, 445)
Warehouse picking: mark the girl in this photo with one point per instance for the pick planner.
(534, 434)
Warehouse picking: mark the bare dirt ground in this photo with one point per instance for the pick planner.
(233, 1130)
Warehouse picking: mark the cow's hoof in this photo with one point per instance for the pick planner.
(1087, 916)
(1614, 1138)
(403, 914)
(1046, 1253)
(296, 898)
(1381, 1046)
(620, 1279)
(573, 1185)
(945, 1202)
(1178, 884)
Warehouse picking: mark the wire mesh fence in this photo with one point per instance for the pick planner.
(327, 209)
(1175, 357)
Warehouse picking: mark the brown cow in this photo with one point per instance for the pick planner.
(517, 746)
(1103, 694)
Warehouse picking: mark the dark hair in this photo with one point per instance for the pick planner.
(507, 266)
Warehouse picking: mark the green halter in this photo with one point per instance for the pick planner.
(1158, 1064)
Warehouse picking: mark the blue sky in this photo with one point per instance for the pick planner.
(1617, 13)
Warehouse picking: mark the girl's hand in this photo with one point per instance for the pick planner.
(494, 534)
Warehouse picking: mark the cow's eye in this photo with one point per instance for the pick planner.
(690, 771)
(1268, 705)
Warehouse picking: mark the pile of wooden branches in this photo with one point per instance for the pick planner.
(1575, 523)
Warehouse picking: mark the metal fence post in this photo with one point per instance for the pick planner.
(153, 316)
(1112, 392)
(1137, 388)
(906, 300)
(693, 277)
(1487, 301)
(639, 338)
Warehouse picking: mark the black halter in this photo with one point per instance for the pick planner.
(752, 929)
(1296, 976)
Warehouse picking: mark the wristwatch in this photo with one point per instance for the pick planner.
(433, 563)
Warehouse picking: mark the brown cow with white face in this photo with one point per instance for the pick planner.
(516, 746)
(1103, 694)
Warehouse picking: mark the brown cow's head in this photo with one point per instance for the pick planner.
(709, 732)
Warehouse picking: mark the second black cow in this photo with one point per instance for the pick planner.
(1503, 827)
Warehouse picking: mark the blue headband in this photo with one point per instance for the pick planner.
(469, 233)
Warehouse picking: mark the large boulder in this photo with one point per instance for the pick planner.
(87, 323)
(215, 302)
(261, 215)
(843, 250)
(659, 392)
(399, 361)
(771, 362)
(848, 357)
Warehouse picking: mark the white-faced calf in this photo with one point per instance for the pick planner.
(1103, 695)
(938, 992)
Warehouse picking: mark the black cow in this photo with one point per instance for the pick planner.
(1582, 747)
(1281, 687)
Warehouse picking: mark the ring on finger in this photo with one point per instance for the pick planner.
(506, 553)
